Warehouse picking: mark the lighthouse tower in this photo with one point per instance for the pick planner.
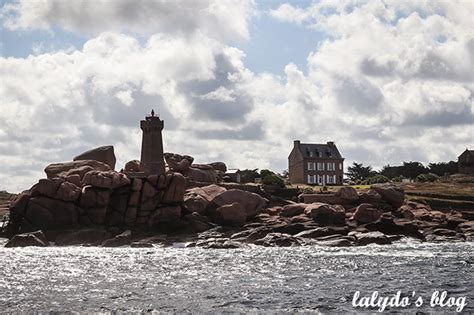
(151, 161)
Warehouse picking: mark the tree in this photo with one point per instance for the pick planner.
(391, 171)
(264, 173)
(248, 176)
(442, 168)
(413, 169)
(359, 172)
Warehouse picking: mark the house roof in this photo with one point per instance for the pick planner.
(327, 150)
(467, 152)
(232, 171)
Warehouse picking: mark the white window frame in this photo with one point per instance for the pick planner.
(340, 166)
(331, 179)
(311, 179)
(310, 166)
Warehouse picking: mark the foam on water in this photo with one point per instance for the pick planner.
(242, 280)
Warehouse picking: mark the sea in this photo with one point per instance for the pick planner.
(252, 280)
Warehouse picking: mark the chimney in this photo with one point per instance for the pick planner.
(330, 143)
(296, 143)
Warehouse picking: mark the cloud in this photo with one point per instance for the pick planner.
(225, 20)
(389, 82)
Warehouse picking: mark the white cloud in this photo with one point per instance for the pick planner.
(389, 83)
(221, 19)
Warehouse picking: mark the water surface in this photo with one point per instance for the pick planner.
(253, 279)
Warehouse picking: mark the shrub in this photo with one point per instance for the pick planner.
(429, 177)
(273, 180)
(265, 173)
(376, 179)
(398, 179)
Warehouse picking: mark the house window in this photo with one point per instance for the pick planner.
(311, 153)
(340, 166)
(311, 179)
(331, 179)
(320, 180)
(320, 166)
(331, 167)
(310, 166)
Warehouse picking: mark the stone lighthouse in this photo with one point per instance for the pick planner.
(151, 161)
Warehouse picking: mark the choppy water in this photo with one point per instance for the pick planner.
(249, 280)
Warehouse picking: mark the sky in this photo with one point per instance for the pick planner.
(235, 81)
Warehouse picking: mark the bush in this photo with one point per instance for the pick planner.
(398, 179)
(265, 173)
(376, 179)
(429, 177)
(273, 180)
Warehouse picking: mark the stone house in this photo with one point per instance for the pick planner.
(315, 164)
(466, 162)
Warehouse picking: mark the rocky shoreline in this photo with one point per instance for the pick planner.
(86, 202)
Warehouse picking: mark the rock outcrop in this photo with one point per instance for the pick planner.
(103, 198)
(366, 213)
(80, 168)
(325, 214)
(28, 239)
(104, 154)
(252, 203)
(390, 193)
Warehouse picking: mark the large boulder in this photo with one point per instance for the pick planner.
(293, 209)
(178, 163)
(325, 214)
(122, 239)
(202, 173)
(366, 213)
(132, 166)
(348, 195)
(252, 203)
(28, 239)
(197, 199)
(219, 166)
(46, 213)
(56, 188)
(105, 179)
(390, 193)
(76, 167)
(104, 154)
(93, 236)
(388, 225)
(195, 203)
(174, 192)
(233, 215)
(371, 196)
(372, 238)
(165, 215)
(92, 197)
(279, 239)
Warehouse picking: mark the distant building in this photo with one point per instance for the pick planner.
(315, 164)
(466, 162)
(232, 175)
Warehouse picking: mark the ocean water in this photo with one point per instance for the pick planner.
(250, 280)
